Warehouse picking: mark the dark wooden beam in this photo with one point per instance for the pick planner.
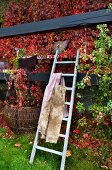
(89, 18)
(44, 77)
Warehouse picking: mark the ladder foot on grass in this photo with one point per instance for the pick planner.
(34, 148)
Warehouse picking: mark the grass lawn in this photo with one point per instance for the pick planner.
(15, 153)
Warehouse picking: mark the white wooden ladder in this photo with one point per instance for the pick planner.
(68, 119)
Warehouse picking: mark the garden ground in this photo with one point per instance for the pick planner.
(15, 152)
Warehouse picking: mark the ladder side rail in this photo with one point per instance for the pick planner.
(37, 132)
(54, 62)
(70, 113)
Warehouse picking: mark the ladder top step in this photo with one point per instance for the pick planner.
(65, 62)
(49, 150)
(69, 75)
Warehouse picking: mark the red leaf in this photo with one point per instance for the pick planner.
(85, 135)
(76, 131)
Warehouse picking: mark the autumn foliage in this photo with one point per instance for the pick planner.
(42, 44)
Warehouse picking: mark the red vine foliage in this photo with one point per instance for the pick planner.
(42, 44)
(24, 93)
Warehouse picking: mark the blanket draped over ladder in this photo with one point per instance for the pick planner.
(53, 107)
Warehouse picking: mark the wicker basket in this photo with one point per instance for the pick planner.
(22, 121)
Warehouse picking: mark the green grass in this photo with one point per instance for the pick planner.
(17, 158)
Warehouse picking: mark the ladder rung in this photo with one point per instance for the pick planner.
(65, 119)
(69, 88)
(62, 135)
(49, 150)
(69, 75)
(65, 62)
(67, 103)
